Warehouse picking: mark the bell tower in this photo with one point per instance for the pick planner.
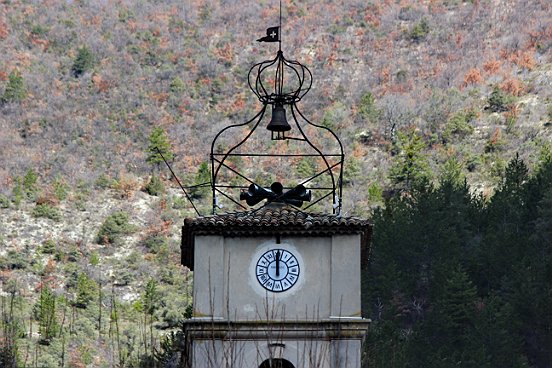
(277, 274)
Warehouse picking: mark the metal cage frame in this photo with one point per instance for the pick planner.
(279, 96)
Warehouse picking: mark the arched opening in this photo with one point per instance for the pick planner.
(276, 363)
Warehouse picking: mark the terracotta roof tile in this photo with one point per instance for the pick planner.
(272, 221)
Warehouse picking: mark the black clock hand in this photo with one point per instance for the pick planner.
(278, 263)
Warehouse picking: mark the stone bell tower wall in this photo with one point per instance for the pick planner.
(224, 249)
(329, 285)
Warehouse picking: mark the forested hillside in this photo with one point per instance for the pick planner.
(458, 281)
(444, 109)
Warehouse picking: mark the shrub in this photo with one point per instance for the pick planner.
(95, 259)
(83, 62)
(15, 89)
(375, 193)
(155, 186)
(14, 261)
(495, 141)
(61, 188)
(419, 31)
(114, 227)
(4, 201)
(155, 242)
(335, 115)
(30, 186)
(177, 86)
(17, 191)
(48, 246)
(39, 30)
(103, 182)
(459, 125)
(47, 211)
(499, 100)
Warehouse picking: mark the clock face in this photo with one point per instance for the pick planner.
(277, 270)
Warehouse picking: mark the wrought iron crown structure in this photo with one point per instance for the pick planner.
(282, 84)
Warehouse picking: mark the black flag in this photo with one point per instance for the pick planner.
(272, 35)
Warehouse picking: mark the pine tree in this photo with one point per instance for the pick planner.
(202, 178)
(411, 168)
(159, 147)
(83, 62)
(47, 319)
(86, 290)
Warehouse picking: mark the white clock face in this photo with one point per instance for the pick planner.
(277, 270)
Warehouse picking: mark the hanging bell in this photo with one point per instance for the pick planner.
(278, 123)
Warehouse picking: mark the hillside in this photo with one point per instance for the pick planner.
(412, 88)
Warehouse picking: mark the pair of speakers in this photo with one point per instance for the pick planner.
(295, 196)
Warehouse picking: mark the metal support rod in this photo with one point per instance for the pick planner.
(178, 181)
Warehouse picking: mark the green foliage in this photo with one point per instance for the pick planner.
(95, 258)
(14, 261)
(351, 170)
(459, 125)
(177, 86)
(87, 291)
(450, 274)
(48, 246)
(155, 243)
(159, 147)
(15, 89)
(18, 193)
(367, 108)
(103, 182)
(499, 100)
(155, 186)
(335, 115)
(150, 297)
(30, 186)
(83, 62)
(375, 193)
(47, 211)
(169, 353)
(10, 330)
(410, 167)
(420, 31)
(46, 315)
(4, 201)
(201, 182)
(307, 167)
(452, 173)
(39, 30)
(126, 14)
(114, 227)
(61, 188)
(81, 195)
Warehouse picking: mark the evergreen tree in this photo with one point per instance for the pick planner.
(47, 319)
(367, 108)
(410, 168)
(83, 62)
(87, 290)
(201, 181)
(159, 147)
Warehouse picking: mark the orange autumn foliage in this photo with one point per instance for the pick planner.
(513, 86)
(491, 66)
(473, 76)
